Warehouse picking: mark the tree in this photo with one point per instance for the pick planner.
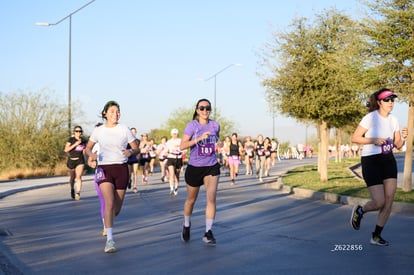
(316, 75)
(33, 131)
(391, 35)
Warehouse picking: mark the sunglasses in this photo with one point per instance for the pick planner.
(78, 131)
(202, 108)
(388, 99)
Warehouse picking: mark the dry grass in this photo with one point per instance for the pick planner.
(60, 170)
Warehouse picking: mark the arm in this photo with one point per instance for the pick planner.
(92, 157)
(358, 137)
(241, 149)
(69, 147)
(134, 149)
(187, 143)
(399, 138)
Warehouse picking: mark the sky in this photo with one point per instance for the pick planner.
(152, 56)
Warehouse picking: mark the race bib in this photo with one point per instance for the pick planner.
(144, 156)
(80, 148)
(235, 157)
(100, 175)
(387, 147)
(206, 149)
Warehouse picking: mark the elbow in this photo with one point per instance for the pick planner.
(354, 139)
(182, 147)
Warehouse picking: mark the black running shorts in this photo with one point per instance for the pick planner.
(72, 163)
(377, 168)
(194, 176)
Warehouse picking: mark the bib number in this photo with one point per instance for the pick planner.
(387, 147)
(206, 149)
(100, 175)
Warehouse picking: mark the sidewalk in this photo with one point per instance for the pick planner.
(11, 187)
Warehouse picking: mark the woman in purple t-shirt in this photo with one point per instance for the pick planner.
(201, 136)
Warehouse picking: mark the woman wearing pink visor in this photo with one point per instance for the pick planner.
(379, 133)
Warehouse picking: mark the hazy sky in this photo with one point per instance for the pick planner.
(150, 55)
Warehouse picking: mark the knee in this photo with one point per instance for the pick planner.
(379, 204)
(191, 201)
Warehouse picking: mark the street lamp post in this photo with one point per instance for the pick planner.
(46, 24)
(215, 84)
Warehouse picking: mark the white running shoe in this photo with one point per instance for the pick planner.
(110, 246)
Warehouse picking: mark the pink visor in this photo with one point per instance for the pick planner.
(386, 94)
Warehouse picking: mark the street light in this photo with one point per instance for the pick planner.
(215, 83)
(46, 24)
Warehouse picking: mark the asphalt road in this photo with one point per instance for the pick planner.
(259, 230)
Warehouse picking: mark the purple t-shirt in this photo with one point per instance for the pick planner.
(204, 152)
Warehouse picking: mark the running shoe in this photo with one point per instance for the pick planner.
(232, 182)
(185, 234)
(145, 180)
(129, 184)
(176, 191)
(77, 196)
(356, 217)
(135, 190)
(72, 193)
(209, 238)
(378, 240)
(172, 193)
(260, 179)
(110, 246)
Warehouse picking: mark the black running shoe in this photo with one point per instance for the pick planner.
(356, 217)
(129, 184)
(185, 235)
(72, 193)
(209, 238)
(378, 240)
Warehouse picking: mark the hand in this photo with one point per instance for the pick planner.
(92, 163)
(205, 135)
(380, 141)
(404, 133)
(127, 153)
